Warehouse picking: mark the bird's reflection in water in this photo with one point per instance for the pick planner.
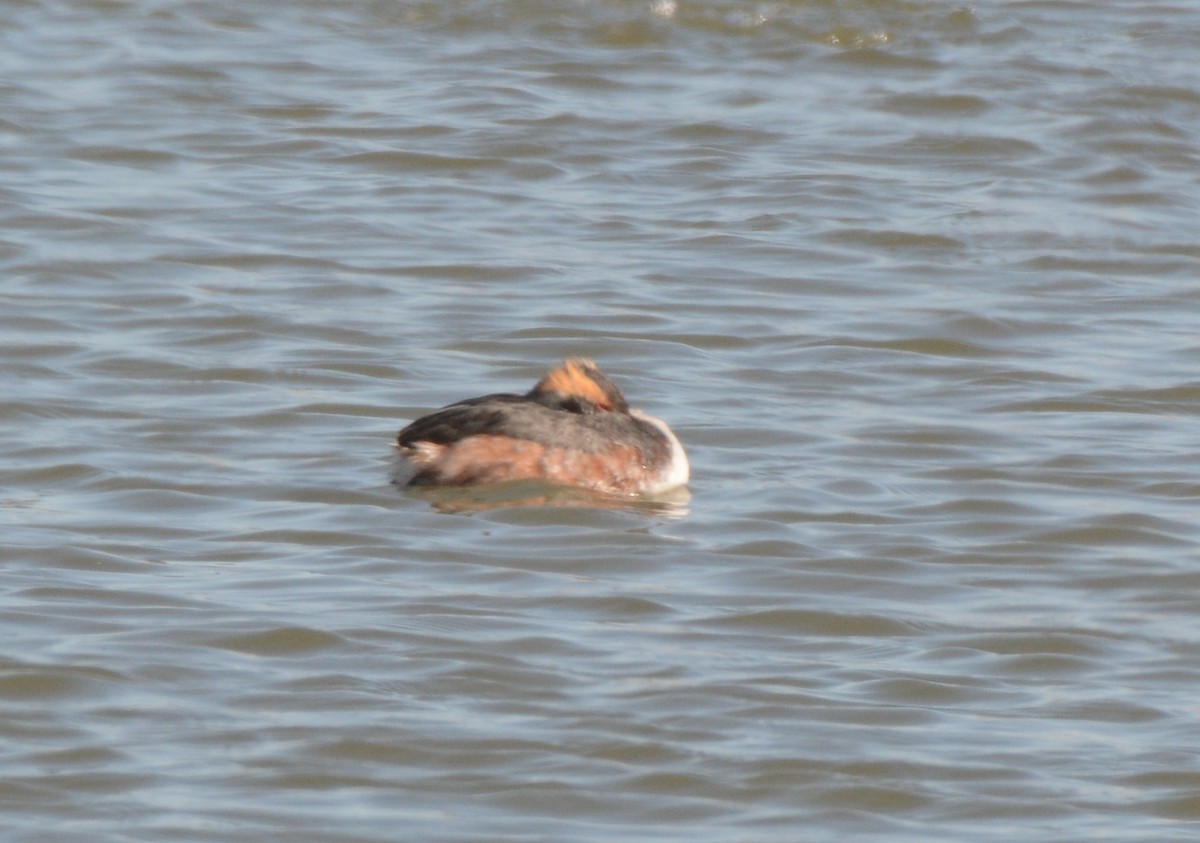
(470, 499)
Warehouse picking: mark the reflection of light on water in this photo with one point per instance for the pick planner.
(851, 37)
(746, 19)
(664, 8)
(466, 499)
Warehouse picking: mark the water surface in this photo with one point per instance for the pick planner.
(914, 282)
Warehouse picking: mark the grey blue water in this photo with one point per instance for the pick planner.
(916, 283)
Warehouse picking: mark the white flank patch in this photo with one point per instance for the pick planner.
(677, 471)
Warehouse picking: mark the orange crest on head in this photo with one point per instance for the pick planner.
(582, 379)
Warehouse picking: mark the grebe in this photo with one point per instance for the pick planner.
(573, 428)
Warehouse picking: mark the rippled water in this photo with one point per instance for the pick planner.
(915, 282)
